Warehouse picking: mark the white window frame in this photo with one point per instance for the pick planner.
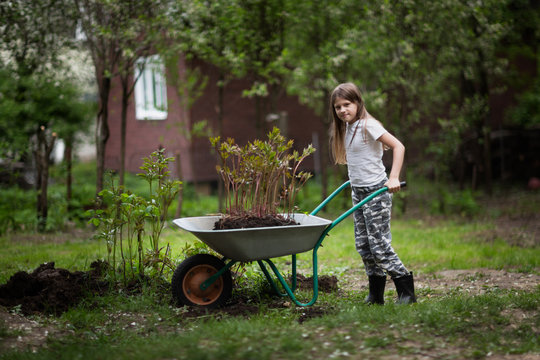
(150, 89)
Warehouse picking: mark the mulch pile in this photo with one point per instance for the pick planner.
(50, 290)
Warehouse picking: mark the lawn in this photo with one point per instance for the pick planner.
(478, 297)
(450, 320)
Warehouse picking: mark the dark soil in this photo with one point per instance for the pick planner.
(246, 307)
(33, 335)
(249, 221)
(326, 283)
(49, 290)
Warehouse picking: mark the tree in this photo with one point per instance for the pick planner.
(319, 55)
(261, 44)
(434, 62)
(242, 38)
(478, 45)
(34, 35)
(448, 70)
(99, 24)
(189, 85)
(141, 30)
(523, 43)
(207, 31)
(57, 109)
(47, 106)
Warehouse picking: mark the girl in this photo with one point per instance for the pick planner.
(358, 140)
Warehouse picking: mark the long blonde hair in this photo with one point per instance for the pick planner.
(350, 92)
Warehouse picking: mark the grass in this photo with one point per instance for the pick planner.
(26, 255)
(147, 326)
(447, 245)
(454, 326)
(444, 324)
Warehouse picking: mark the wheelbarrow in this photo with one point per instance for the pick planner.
(205, 280)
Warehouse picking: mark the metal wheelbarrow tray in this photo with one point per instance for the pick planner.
(257, 243)
(205, 280)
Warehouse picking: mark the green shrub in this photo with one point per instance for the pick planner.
(128, 223)
(458, 202)
(17, 210)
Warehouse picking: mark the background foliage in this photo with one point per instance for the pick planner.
(432, 72)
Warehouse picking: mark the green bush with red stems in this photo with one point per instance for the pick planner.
(262, 178)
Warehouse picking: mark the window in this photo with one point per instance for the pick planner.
(150, 89)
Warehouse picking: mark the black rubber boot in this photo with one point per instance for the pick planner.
(405, 289)
(376, 290)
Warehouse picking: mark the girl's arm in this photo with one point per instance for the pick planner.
(398, 153)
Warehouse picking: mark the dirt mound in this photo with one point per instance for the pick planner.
(50, 290)
(326, 283)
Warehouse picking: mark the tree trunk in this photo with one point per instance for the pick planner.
(68, 159)
(42, 154)
(102, 133)
(403, 124)
(325, 152)
(486, 129)
(123, 127)
(488, 175)
(258, 117)
(220, 133)
(180, 175)
(485, 133)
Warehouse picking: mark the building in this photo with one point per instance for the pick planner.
(156, 118)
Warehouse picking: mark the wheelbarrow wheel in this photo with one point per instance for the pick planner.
(189, 276)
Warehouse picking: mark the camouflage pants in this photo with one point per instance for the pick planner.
(372, 233)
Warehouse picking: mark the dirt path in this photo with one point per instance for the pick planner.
(25, 333)
(473, 282)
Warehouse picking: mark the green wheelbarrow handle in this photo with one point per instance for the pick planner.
(289, 290)
(351, 210)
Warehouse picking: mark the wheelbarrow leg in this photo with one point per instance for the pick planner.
(273, 283)
(286, 286)
(293, 272)
(269, 279)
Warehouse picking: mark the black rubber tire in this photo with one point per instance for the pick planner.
(194, 271)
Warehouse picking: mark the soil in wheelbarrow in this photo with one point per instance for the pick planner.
(250, 221)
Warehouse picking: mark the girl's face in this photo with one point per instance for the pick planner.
(346, 110)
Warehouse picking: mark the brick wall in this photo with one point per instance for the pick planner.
(197, 159)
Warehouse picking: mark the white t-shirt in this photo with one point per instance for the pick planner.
(364, 153)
